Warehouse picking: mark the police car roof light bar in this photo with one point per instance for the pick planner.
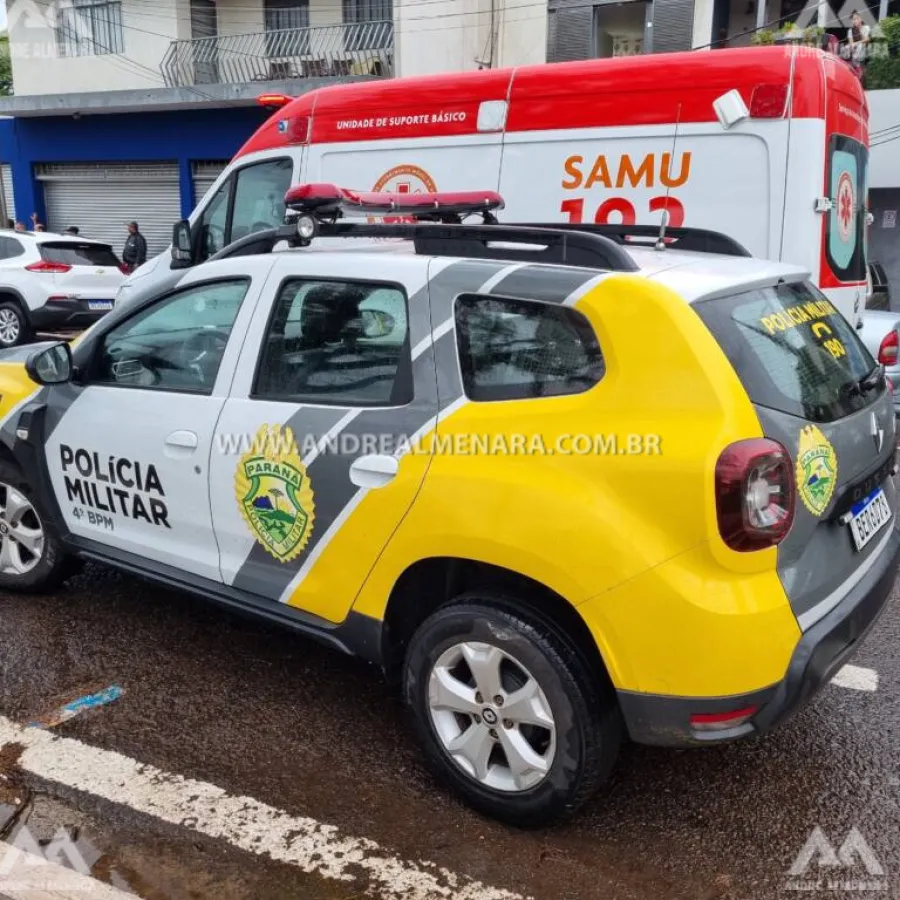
(329, 202)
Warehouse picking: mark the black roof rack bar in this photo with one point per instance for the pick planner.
(553, 246)
(700, 240)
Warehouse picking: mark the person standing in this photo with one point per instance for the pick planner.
(858, 38)
(135, 252)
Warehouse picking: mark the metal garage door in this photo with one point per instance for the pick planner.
(205, 174)
(9, 197)
(99, 198)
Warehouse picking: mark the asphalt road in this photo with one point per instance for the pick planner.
(232, 738)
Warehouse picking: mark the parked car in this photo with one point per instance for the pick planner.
(53, 282)
(880, 332)
(681, 525)
(878, 291)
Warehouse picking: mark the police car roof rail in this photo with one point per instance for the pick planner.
(515, 243)
(699, 240)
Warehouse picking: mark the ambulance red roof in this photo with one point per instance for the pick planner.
(631, 91)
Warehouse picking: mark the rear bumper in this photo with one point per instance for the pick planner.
(65, 315)
(822, 650)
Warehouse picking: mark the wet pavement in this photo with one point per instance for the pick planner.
(264, 714)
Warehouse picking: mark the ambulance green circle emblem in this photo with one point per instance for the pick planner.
(274, 494)
(817, 469)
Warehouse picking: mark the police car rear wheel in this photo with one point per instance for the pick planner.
(508, 712)
(31, 558)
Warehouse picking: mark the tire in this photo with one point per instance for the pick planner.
(577, 753)
(15, 328)
(38, 564)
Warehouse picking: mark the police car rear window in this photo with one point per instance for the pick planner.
(793, 350)
(70, 254)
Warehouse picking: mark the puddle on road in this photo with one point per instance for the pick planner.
(154, 867)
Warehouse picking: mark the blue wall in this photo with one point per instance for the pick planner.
(180, 136)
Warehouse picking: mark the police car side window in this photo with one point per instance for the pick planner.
(176, 344)
(512, 349)
(336, 343)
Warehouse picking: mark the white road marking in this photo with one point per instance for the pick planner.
(856, 678)
(25, 876)
(245, 823)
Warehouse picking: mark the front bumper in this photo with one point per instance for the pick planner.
(67, 314)
(822, 650)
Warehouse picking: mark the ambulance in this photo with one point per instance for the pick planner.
(768, 144)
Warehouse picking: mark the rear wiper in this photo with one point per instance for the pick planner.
(871, 380)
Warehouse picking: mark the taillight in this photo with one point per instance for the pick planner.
(124, 269)
(49, 268)
(754, 494)
(889, 351)
(769, 101)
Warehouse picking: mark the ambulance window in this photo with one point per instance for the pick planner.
(517, 349)
(845, 225)
(259, 197)
(337, 343)
(214, 220)
(176, 344)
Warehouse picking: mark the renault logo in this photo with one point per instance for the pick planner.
(877, 434)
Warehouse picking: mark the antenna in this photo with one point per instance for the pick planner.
(661, 240)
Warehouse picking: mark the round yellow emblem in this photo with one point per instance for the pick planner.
(273, 493)
(817, 470)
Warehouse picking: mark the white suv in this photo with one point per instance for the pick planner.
(53, 282)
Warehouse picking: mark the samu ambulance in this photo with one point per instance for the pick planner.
(769, 145)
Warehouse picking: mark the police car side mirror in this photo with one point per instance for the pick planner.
(182, 245)
(52, 365)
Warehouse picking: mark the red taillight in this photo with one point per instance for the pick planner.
(722, 721)
(769, 101)
(889, 351)
(754, 494)
(124, 269)
(49, 268)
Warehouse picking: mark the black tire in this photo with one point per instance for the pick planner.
(24, 335)
(584, 709)
(53, 566)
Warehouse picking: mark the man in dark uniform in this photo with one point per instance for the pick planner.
(135, 252)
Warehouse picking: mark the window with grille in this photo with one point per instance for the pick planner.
(371, 24)
(90, 28)
(287, 24)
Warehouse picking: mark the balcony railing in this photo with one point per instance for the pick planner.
(330, 51)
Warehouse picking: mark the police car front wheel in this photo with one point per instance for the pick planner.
(30, 557)
(508, 712)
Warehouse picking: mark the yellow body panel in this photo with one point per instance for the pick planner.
(630, 539)
(15, 386)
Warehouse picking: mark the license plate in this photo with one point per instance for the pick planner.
(869, 517)
(100, 304)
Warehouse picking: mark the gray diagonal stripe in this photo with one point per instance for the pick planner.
(329, 473)
(551, 284)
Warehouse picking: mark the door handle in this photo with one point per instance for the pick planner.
(374, 471)
(183, 440)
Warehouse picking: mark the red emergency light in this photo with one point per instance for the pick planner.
(274, 101)
(331, 201)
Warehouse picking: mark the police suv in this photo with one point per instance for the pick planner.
(566, 485)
